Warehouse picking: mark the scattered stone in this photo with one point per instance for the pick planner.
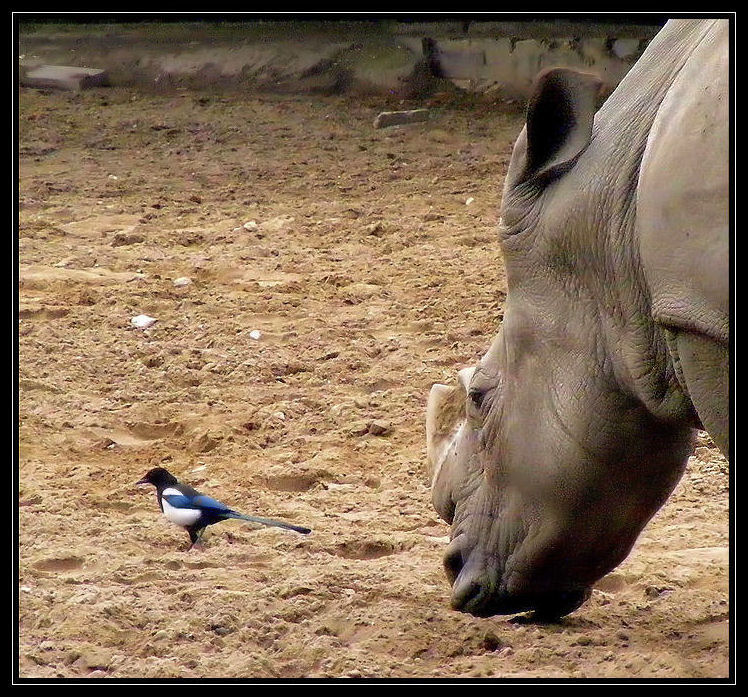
(92, 658)
(204, 443)
(625, 48)
(491, 642)
(255, 334)
(36, 658)
(379, 428)
(122, 239)
(182, 281)
(250, 225)
(65, 77)
(397, 118)
(375, 229)
(358, 428)
(657, 591)
(432, 217)
(469, 201)
(143, 321)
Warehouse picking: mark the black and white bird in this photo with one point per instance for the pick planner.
(193, 511)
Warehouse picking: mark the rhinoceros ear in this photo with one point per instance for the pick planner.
(560, 114)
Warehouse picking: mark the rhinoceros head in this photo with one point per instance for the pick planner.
(546, 457)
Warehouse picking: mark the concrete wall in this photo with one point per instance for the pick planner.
(398, 57)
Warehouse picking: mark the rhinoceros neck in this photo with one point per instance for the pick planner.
(623, 124)
(609, 172)
(636, 100)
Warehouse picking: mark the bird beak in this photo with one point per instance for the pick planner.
(142, 481)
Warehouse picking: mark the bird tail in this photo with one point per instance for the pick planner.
(268, 521)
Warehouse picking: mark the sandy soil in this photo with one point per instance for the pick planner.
(369, 277)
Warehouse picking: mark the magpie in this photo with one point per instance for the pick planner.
(194, 511)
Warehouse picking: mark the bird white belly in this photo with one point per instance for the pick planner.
(180, 516)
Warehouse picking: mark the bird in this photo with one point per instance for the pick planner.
(193, 511)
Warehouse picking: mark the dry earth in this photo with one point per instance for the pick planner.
(369, 277)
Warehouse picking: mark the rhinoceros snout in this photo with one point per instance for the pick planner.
(472, 583)
(477, 590)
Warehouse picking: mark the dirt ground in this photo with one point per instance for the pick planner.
(367, 261)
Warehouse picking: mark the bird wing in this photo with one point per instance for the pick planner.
(207, 503)
(180, 501)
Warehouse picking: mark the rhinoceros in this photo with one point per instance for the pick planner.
(551, 455)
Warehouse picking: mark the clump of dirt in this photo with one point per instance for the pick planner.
(328, 273)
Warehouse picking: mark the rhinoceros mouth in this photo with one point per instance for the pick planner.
(478, 601)
(482, 590)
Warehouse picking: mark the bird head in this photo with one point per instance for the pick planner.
(159, 477)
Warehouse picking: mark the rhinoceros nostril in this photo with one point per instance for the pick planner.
(453, 562)
(468, 593)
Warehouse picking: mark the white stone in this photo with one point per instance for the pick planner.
(143, 321)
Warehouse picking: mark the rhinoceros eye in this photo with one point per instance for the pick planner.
(476, 397)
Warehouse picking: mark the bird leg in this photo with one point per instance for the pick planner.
(196, 535)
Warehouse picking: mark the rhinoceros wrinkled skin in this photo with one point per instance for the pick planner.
(551, 455)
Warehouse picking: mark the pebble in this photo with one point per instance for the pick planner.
(358, 428)
(397, 118)
(143, 321)
(182, 281)
(91, 658)
(255, 334)
(379, 428)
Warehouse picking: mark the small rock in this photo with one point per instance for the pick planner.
(379, 428)
(358, 428)
(657, 591)
(469, 201)
(255, 334)
(182, 281)
(432, 217)
(143, 321)
(93, 658)
(250, 225)
(398, 118)
(491, 642)
(625, 48)
(64, 77)
(204, 443)
(122, 239)
(375, 229)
